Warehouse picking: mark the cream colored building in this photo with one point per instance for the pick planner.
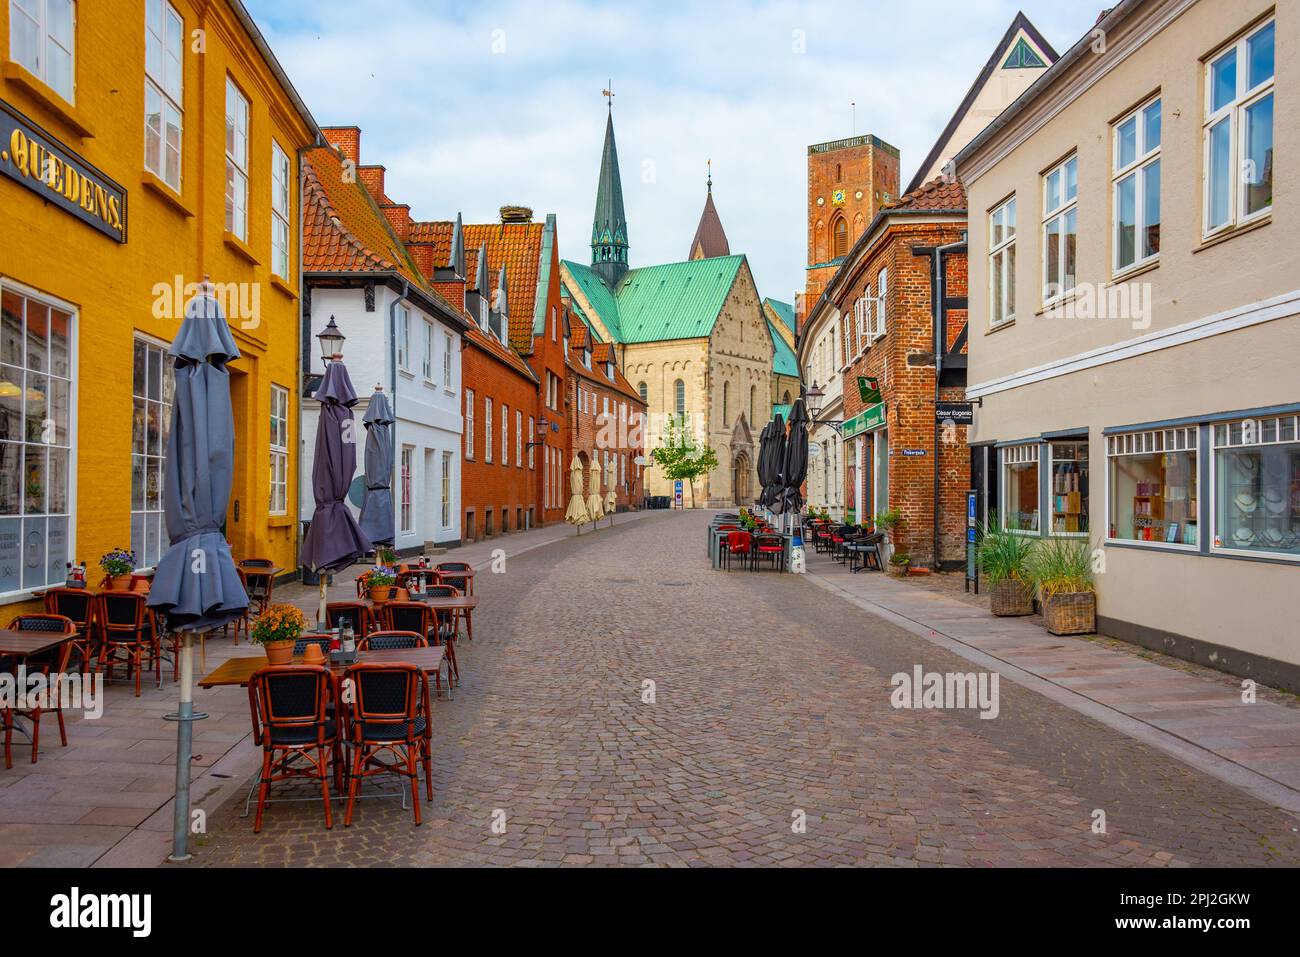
(1134, 290)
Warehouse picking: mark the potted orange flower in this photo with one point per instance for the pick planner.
(276, 630)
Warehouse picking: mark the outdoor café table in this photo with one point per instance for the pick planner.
(15, 643)
(445, 575)
(238, 671)
(459, 605)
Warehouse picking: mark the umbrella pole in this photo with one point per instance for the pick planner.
(184, 718)
(320, 611)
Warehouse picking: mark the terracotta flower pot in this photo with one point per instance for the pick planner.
(278, 652)
(381, 593)
(121, 582)
(1011, 597)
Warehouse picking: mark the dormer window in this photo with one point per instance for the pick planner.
(609, 370)
(483, 312)
(586, 357)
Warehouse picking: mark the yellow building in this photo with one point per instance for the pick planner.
(144, 144)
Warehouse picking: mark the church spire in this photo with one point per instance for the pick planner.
(710, 238)
(609, 225)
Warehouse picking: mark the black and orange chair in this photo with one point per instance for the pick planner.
(389, 728)
(291, 707)
(51, 664)
(125, 634)
(392, 641)
(354, 613)
(78, 606)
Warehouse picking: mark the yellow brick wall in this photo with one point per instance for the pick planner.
(114, 286)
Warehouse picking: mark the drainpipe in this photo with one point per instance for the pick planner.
(938, 284)
(392, 359)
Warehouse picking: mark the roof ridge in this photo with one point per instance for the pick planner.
(336, 221)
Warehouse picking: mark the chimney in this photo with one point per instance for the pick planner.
(516, 214)
(372, 177)
(345, 139)
(399, 217)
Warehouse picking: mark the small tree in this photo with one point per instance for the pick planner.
(681, 457)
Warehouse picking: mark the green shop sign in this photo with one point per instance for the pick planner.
(864, 421)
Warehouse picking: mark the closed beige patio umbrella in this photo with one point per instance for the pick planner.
(594, 505)
(577, 513)
(611, 497)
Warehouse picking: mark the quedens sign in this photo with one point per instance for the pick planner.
(33, 158)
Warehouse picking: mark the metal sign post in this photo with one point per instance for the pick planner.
(973, 511)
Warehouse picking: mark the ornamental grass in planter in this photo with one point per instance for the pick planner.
(1003, 560)
(1062, 569)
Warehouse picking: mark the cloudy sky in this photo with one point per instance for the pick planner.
(471, 106)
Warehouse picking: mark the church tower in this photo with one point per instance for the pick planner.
(609, 225)
(710, 239)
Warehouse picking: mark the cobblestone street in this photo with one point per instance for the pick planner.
(772, 700)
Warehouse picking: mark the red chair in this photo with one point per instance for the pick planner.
(291, 721)
(770, 546)
(390, 716)
(738, 543)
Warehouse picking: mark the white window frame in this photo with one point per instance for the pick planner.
(446, 490)
(1221, 438)
(40, 19)
(505, 435)
(1001, 269)
(426, 361)
(1145, 156)
(1023, 454)
(487, 430)
(155, 516)
(404, 339)
(469, 424)
(281, 208)
(279, 450)
(405, 486)
(1235, 113)
(1051, 214)
(236, 147)
(532, 449)
(1152, 442)
(881, 311)
(1045, 509)
(165, 81)
(519, 439)
(448, 351)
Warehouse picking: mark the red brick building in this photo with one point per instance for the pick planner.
(848, 181)
(901, 291)
(606, 414)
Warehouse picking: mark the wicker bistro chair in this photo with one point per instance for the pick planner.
(447, 627)
(259, 587)
(51, 664)
(354, 613)
(447, 576)
(126, 635)
(392, 640)
(78, 606)
(413, 616)
(389, 719)
(323, 640)
(290, 706)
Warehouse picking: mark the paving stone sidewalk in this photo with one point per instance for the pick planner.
(106, 799)
(1199, 718)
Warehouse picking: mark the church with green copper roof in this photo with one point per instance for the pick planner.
(693, 337)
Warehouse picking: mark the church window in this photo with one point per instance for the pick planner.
(679, 391)
(841, 238)
(726, 396)
(644, 391)
(751, 403)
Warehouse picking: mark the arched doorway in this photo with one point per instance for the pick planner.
(740, 487)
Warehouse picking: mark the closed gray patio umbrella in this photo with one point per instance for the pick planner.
(795, 468)
(196, 585)
(334, 540)
(377, 507)
(776, 463)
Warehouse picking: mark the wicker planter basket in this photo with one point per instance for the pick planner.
(1011, 598)
(1071, 613)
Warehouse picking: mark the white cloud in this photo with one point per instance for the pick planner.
(472, 106)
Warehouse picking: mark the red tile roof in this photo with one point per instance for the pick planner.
(501, 352)
(936, 194)
(345, 231)
(518, 245)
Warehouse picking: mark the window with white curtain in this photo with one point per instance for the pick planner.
(164, 75)
(279, 450)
